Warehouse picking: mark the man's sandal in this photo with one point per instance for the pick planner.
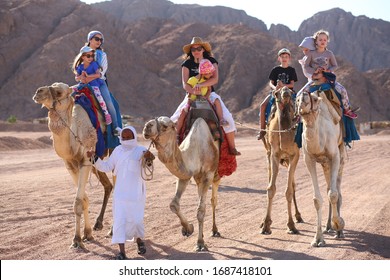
(141, 248)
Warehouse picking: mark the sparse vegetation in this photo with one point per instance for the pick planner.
(11, 119)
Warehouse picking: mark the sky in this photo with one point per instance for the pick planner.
(292, 12)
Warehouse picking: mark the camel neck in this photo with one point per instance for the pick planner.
(170, 155)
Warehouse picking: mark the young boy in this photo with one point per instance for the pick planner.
(280, 76)
(129, 192)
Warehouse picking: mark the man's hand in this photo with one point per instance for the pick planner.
(149, 155)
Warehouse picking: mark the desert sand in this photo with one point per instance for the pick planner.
(38, 221)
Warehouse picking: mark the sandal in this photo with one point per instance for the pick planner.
(121, 257)
(141, 248)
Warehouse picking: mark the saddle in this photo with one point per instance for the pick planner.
(202, 108)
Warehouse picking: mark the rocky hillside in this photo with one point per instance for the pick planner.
(144, 41)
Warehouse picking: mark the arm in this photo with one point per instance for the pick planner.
(307, 66)
(185, 75)
(103, 64)
(332, 62)
(106, 165)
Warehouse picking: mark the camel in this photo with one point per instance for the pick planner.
(197, 157)
(73, 135)
(322, 142)
(281, 148)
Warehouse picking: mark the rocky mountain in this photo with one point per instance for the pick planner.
(143, 39)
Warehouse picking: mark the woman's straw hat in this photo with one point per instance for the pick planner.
(197, 41)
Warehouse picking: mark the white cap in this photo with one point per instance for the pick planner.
(308, 43)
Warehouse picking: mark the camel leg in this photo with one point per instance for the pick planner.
(79, 173)
(271, 190)
(203, 186)
(318, 240)
(187, 229)
(214, 202)
(290, 192)
(103, 178)
(333, 195)
(298, 215)
(326, 169)
(340, 233)
(74, 173)
(87, 226)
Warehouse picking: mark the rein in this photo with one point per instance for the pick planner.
(147, 164)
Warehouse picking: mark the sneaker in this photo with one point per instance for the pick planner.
(350, 114)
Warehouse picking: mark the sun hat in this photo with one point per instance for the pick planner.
(284, 50)
(86, 49)
(308, 43)
(206, 67)
(93, 33)
(197, 41)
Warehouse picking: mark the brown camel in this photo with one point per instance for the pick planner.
(197, 157)
(281, 148)
(73, 135)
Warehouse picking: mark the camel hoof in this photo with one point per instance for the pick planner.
(77, 245)
(98, 225)
(292, 231)
(339, 235)
(189, 231)
(266, 232)
(88, 238)
(201, 248)
(318, 243)
(216, 234)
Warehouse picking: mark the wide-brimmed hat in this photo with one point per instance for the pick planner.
(197, 41)
(284, 50)
(308, 43)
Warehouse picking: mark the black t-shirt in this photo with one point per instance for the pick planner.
(286, 75)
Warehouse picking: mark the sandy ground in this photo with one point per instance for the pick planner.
(37, 215)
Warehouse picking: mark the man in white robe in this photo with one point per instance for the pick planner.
(129, 191)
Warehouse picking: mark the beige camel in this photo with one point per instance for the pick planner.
(197, 157)
(281, 148)
(73, 135)
(322, 142)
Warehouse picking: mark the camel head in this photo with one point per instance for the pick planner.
(159, 128)
(49, 96)
(284, 95)
(307, 103)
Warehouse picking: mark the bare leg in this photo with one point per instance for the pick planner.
(263, 107)
(218, 109)
(232, 144)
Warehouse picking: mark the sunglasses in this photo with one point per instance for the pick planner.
(97, 39)
(89, 55)
(197, 49)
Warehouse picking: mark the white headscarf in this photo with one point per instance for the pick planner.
(128, 143)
